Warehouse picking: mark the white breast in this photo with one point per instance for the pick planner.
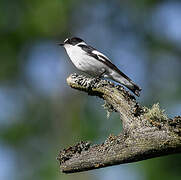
(76, 54)
(84, 62)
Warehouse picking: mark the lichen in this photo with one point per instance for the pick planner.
(156, 116)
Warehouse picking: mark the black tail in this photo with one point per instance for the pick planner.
(126, 81)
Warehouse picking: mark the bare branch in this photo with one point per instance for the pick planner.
(147, 133)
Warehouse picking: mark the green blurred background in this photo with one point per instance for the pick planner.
(40, 114)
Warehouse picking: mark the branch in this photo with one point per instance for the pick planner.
(147, 133)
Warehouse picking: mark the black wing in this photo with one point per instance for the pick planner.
(100, 57)
(89, 50)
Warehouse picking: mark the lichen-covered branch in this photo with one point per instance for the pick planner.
(147, 133)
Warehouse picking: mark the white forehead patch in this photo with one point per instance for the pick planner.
(66, 40)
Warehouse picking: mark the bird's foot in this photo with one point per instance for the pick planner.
(95, 80)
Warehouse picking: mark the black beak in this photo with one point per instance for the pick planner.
(61, 44)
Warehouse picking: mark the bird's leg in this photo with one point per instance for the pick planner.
(102, 73)
(97, 79)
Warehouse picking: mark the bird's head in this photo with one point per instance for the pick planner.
(71, 41)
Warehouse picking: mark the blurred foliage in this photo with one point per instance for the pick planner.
(45, 124)
(23, 22)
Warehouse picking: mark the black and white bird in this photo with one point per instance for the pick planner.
(94, 63)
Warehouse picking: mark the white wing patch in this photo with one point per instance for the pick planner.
(81, 43)
(100, 54)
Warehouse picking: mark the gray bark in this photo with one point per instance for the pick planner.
(147, 133)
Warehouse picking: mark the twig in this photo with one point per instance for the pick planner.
(147, 133)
